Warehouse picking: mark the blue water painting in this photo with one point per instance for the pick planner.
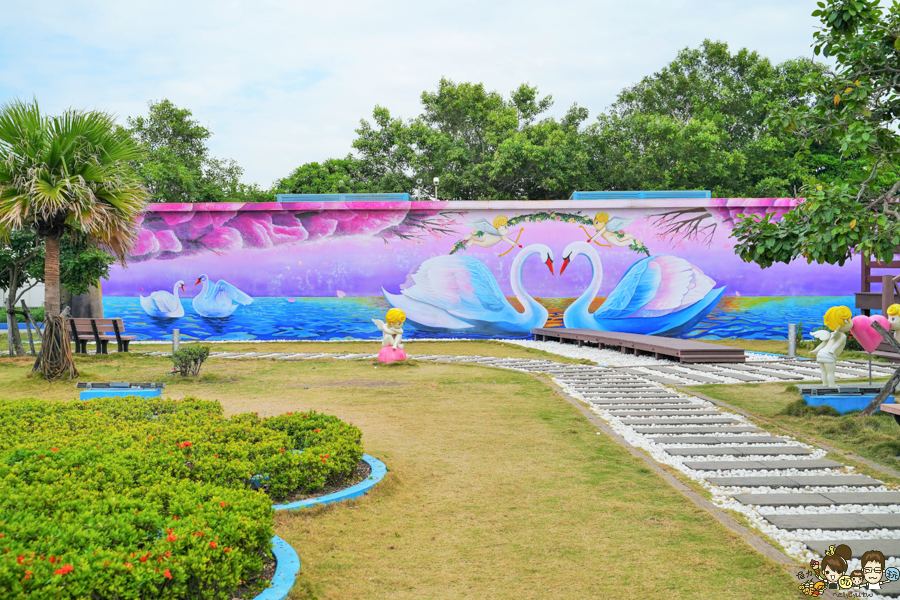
(350, 318)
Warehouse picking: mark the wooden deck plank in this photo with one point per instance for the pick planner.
(686, 351)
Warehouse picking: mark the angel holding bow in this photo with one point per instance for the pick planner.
(838, 321)
(610, 230)
(487, 234)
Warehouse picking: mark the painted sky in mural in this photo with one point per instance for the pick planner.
(664, 265)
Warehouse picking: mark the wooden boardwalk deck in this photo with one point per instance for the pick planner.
(686, 351)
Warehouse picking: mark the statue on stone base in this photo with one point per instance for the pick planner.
(838, 321)
(391, 348)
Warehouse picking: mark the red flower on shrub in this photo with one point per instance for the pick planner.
(227, 549)
(52, 559)
(145, 557)
(129, 565)
(54, 449)
(172, 537)
(290, 413)
(166, 574)
(28, 574)
(282, 449)
(222, 504)
(67, 568)
(316, 430)
(20, 559)
(212, 544)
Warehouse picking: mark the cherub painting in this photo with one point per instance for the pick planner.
(610, 230)
(486, 234)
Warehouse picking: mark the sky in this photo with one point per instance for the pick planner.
(282, 83)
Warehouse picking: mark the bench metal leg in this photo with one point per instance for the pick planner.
(123, 345)
(102, 347)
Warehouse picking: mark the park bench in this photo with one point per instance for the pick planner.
(686, 351)
(99, 331)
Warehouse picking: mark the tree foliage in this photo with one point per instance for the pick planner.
(699, 123)
(177, 166)
(853, 107)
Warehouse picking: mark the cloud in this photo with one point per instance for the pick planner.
(281, 83)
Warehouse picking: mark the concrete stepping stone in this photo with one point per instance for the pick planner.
(836, 522)
(693, 430)
(889, 547)
(681, 421)
(684, 375)
(820, 499)
(669, 413)
(795, 481)
(738, 451)
(716, 440)
(744, 377)
(673, 401)
(627, 405)
(662, 380)
(760, 465)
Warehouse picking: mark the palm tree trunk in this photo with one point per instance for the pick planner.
(51, 275)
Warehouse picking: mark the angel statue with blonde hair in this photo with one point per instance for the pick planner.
(487, 234)
(838, 321)
(391, 348)
(610, 230)
(893, 317)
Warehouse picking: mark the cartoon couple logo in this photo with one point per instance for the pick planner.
(831, 572)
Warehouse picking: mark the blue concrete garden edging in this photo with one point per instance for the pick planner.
(286, 559)
(287, 565)
(844, 404)
(107, 392)
(379, 470)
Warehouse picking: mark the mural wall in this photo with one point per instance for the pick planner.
(317, 271)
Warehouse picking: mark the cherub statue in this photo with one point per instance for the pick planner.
(610, 229)
(492, 234)
(893, 317)
(837, 320)
(391, 348)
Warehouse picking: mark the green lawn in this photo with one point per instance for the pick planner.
(497, 486)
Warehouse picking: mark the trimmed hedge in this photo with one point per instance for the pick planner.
(121, 498)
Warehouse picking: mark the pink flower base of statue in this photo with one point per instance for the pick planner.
(389, 355)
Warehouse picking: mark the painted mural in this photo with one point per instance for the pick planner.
(319, 271)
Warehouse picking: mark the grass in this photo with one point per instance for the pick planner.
(781, 347)
(497, 487)
(876, 438)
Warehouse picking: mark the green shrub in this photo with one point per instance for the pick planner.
(189, 359)
(37, 313)
(800, 408)
(150, 497)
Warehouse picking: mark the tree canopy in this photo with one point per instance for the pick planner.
(701, 122)
(853, 107)
(177, 166)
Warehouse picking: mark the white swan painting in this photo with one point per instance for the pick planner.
(164, 304)
(459, 293)
(658, 295)
(219, 300)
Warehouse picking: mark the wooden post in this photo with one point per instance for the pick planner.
(887, 293)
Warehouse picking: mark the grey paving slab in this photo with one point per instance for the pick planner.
(681, 421)
(738, 450)
(674, 401)
(692, 430)
(879, 498)
(668, 413)
(802, 465)
(715, 451)
(715, 465)
(795, 481)
(684, 375)
(663, 380)
(719, 440)
(760, 481)
(828, 522)
(782, 375)
(888, 547)
(626, 405)
(836, 480)
(758, 465)
(743, 377)
(783, 499)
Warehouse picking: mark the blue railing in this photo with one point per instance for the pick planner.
(638, 195)
(343, 197)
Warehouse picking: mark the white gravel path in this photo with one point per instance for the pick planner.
(609, 358)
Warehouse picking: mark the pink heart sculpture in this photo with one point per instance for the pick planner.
(863, 331)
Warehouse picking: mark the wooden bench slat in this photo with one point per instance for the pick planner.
(101, 331)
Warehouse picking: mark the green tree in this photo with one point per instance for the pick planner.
(854, 107)
(701, 123)
(333, 176)
(67, 174)
(177, 167)
(22, 267)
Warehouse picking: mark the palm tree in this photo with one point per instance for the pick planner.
(68, 173)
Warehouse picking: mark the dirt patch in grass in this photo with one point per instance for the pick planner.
(497, 488)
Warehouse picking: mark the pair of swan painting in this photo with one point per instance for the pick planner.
(218, 300)
(658, 295)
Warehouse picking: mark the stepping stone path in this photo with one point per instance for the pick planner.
(781, 485)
